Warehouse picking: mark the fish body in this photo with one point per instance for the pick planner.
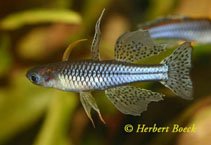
(180, 28)
(114, 76)
(90, 75)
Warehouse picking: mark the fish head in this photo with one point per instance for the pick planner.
(42, 76)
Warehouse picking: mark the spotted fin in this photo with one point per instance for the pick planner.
(96, 39)
(136, 45)
(179, 64)
(88, 103)
(132, 100)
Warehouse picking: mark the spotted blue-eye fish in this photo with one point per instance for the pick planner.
(178, 28)
(114, 76)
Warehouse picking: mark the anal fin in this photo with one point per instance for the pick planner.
(88, 103)
(132, 100)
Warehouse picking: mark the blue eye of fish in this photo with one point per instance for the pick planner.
(35, 78)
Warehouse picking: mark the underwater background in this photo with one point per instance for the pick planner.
(35, 32)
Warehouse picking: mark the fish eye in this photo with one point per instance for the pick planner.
(34, 78)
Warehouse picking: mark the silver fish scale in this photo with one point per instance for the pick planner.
(87, 75)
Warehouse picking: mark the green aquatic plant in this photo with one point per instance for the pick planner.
(17, 20)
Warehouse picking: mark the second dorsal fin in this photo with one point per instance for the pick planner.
(136, 45)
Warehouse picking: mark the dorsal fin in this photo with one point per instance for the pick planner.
(136, 45)
(96, 39)
(95, 43)
(66, 54)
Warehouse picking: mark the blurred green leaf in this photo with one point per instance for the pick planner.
(42, 42)
(33, 45)
(55, 128)
(92, 139)
(22, 104)
(200, 50)
(160, 8)
(90, 15)
(61, 4)
(17, 20)
(198, 113)
(5, 56)
(91, 11)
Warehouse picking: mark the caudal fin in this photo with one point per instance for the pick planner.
(179, 64)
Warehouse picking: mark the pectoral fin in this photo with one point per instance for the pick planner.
(132, 100)
(137, 45)
(88, 103)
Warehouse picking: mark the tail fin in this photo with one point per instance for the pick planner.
(179, 64)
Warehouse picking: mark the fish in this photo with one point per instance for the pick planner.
(115, 76)
(179, 28)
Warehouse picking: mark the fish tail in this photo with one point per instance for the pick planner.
(179, 64)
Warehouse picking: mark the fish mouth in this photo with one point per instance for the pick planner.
(28, 75)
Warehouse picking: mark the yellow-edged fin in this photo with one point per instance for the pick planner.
(88, 102)
(69, 49)
(191, 43)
